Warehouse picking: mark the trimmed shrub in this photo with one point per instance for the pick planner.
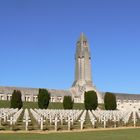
(16, 101)
(110, 101)
(43, 98)
(90, 100)
(68, 102)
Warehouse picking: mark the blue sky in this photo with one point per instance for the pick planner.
(38, 38)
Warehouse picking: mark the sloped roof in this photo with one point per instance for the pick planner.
(125, 96)
(34, 91)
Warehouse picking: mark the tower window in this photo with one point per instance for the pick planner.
(84, 42)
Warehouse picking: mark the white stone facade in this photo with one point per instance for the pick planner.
(83, 75)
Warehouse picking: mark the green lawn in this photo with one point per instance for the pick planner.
(127, 134)
(6, 104)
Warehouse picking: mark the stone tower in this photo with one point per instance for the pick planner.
(83, 75)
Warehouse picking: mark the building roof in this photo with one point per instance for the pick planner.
(56, 92)
(33, 91)
(125, 96)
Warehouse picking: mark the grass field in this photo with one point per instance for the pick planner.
(126, 134)
(6, 104)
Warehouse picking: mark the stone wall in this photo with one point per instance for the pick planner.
(30, 94)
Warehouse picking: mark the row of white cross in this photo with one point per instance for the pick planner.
(92, 118)
(6, 113)
(124, 106)
(115, 116)
(55, 116)
(38, 117)
(26, 118)
(82, 119)
(70, 117)
(13, 118)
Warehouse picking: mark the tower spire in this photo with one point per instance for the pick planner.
(82, 65)
(83, 75)
(82, 37)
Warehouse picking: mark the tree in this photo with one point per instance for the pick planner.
(16, 101)
(43, 98)
(90, 100)
(68, 102)
(110, 101)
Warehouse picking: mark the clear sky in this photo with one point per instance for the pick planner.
(38, 38)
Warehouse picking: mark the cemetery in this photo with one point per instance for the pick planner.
(19, 117)
(60, 119)
(77, 109)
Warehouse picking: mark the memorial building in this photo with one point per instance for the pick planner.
(83, 82)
